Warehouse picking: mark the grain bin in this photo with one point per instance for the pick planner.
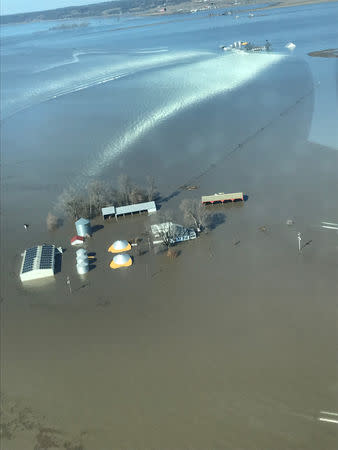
(83, 227)
(81, 259)
(82, 268)
(82, 256)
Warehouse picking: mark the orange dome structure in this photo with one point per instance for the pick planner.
(121, 261)
(119, 246)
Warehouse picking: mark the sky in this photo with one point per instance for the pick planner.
(19, 6)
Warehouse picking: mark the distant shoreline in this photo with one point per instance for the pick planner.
(329, 53)
(186, 7)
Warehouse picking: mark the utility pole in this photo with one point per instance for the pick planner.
(299, 237)
(69, 285)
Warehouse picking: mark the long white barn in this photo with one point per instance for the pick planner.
(136, 208)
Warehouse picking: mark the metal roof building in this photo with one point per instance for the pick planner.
(77, 240)
(108, 211)
(176, 232)
(83, 227)
(38, 262)
(136, 208)
(149, 207)
(222, 198)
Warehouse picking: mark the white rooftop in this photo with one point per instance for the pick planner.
(137, 207)
(165, 227)
(38, 262)
(108, 211)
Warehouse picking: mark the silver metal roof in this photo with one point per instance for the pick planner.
(108, 211)
(82, 221)
(137, 207)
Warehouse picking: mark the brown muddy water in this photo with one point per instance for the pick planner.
(230, 346)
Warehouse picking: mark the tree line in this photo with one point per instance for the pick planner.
(75, 204)
(95, 9)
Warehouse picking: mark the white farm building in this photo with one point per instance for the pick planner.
(38, 262)
(137, 208)
(175, 232)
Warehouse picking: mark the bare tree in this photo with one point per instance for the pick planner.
(167, 231)
(137, 195)
(112, 196)
(53, 222)
(172, 254)
(97, 196)
(142, 247)
(73, 205)
(125, 188)
(195, 213)
(151, 188)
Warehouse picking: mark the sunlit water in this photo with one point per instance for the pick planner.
(39, 64)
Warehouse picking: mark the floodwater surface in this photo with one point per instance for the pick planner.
(232, 345)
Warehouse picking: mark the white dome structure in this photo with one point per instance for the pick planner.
(119, 246)
(123, 260)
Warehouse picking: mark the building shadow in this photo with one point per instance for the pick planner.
(306, 243)
(169, 197)
(215, 220)
(83, 286)
(96, 228)
(57, 262)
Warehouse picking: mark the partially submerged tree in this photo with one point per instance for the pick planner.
(166, 229)
(73, 205)
(137, 195)
(195, 213)
(53, 222)
(97, 197)
(112, 197)
(151, 188)
(125, 188)
(99, 194)
(172, 254)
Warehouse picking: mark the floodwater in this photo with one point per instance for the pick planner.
(233, 344)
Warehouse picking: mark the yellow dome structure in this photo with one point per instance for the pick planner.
(121, 261)
(119, 246)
